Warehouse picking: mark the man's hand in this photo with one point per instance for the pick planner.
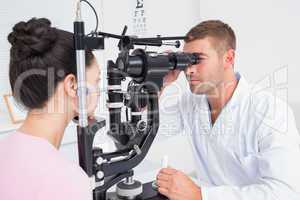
(176, 185)
(171, 77)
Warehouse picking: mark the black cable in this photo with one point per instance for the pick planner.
(97, 19)
(127, 118)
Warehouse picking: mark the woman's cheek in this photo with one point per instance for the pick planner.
(92, 102)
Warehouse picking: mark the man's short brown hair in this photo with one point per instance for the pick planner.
(222, 35)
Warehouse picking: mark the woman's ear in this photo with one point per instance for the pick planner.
(70, 85)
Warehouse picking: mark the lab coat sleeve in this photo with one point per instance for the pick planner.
(278, 164)
(170, 110)
(171, 119)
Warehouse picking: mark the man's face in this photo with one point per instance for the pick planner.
(209, 73)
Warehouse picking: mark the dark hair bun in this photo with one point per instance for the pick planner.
(40, 53)
(32, 38)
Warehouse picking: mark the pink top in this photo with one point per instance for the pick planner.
(33, 169)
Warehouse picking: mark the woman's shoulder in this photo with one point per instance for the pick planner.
(64, 179)
(41, 168)
(37, 153)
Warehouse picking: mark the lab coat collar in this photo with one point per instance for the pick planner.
(241, 92)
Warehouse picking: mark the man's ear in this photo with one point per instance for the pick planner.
(229, 58)
(70, 85)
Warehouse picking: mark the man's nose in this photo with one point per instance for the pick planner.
(190, 70)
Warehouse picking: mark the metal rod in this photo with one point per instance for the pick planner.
(80, 62)
(163, 38)
(82, 90)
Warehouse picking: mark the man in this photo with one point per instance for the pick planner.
(246, 144)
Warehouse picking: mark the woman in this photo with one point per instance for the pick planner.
(42, 75)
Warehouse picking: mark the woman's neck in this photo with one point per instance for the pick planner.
(50, 126)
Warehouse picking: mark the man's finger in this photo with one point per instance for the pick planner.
(163, 191)
(163, 184)
(168, 171)
(175, 71)
(163, 177)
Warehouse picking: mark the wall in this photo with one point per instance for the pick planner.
(267, 41)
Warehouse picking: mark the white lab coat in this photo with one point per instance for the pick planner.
(253, 150)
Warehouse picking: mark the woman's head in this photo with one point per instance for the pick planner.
(43, 65)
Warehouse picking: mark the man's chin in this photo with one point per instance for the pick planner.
(197, 90)
(200, 89)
